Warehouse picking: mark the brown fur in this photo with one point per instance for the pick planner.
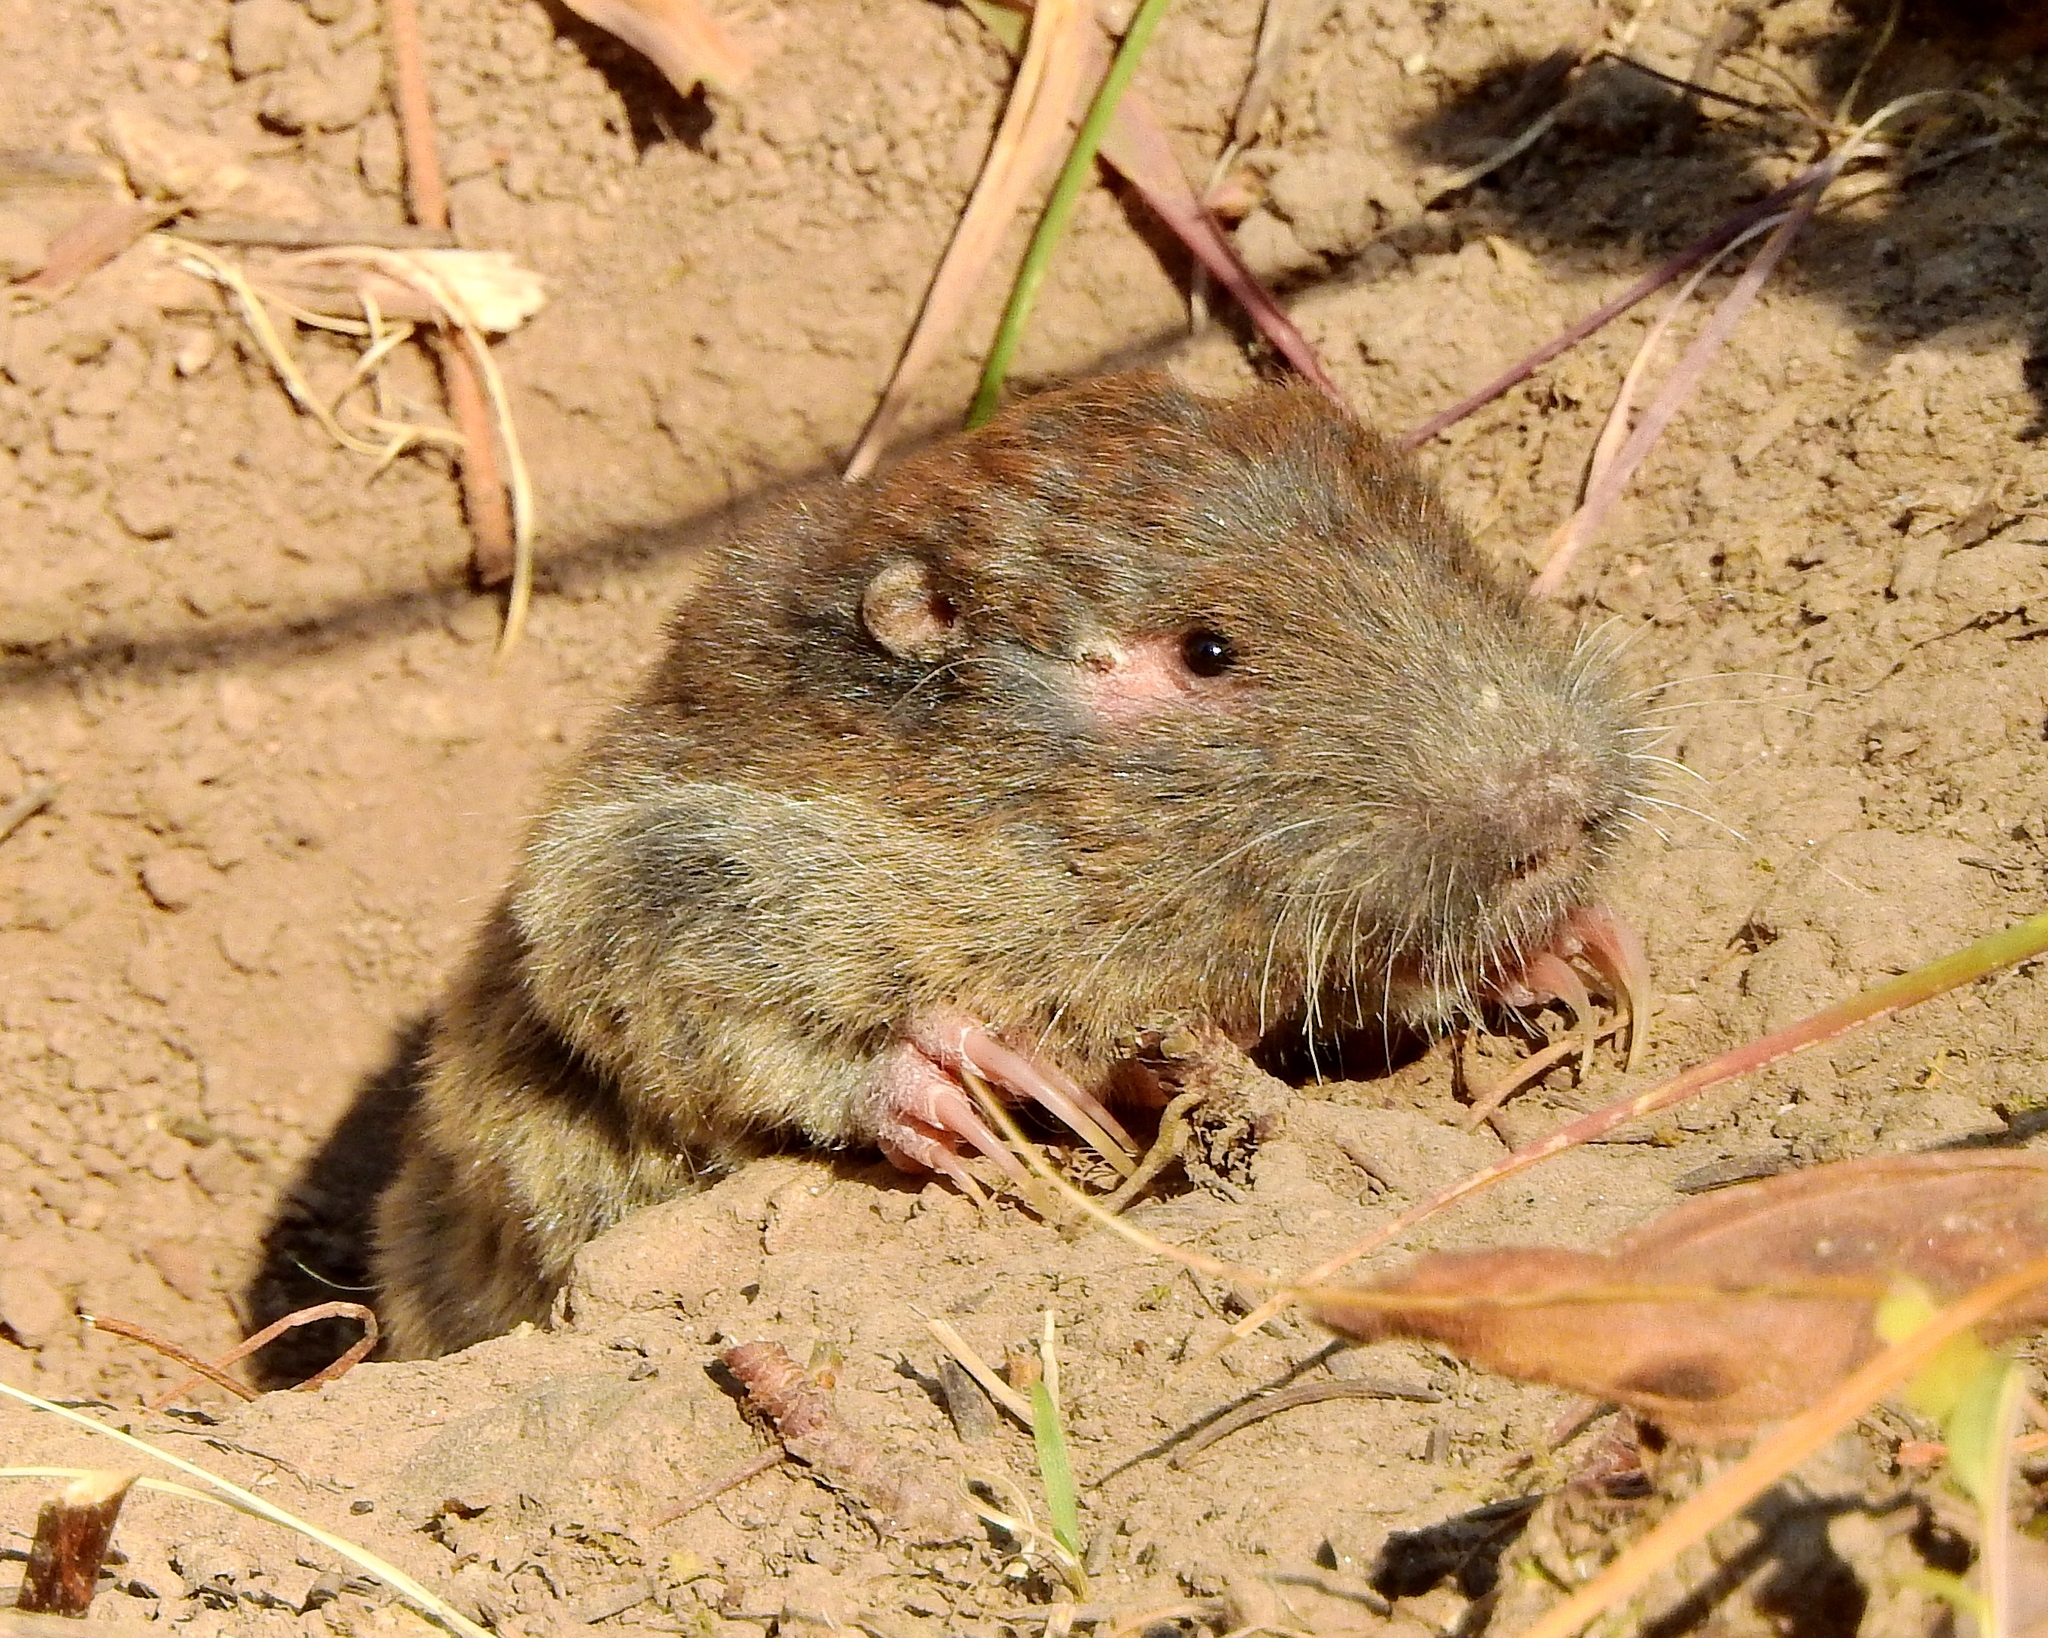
(820, 816)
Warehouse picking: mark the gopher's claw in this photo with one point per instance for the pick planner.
(922, 1112)
(1612, 948)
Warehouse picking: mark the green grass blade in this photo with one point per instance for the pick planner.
(1059, 209)
(1056, 1472)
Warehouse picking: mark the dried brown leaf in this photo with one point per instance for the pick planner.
(679, 37)
(1733, 1310)
(91, 242)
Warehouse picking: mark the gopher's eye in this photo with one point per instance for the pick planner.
(1207, 653)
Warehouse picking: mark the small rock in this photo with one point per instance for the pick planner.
(32, 1306)
(194, 350)
(148, 971)
(24, 246)
(177, 878)
(330, 94)
(245, 939)
(379, 157)
(264, 35)
(241, 707)
(148, 507)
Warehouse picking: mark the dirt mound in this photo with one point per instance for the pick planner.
(287, 779)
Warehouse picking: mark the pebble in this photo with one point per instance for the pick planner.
(32, 1306)
(177, 878)
(24, 246)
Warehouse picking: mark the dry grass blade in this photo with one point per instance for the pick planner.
(1283, 26)
(1615, 429)
(1063, 56)
(255, 312)
(975, 1366)
(437, 1610)
(1033, 1157)
(1614, 476)
(1778, 1455)
(466, 297)
(433, 275)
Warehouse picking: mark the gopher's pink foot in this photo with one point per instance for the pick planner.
(921, 1111)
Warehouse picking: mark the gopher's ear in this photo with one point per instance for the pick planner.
(907, 614)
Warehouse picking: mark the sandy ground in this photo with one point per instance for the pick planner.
(288, 780)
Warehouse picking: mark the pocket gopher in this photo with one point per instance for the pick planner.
(1132, 704)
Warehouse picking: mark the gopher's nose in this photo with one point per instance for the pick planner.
(1542, 807)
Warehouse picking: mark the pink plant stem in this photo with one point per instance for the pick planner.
(1713, 336)
(2020, 942)
(1648, 285)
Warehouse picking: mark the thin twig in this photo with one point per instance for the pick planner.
(26, 806)
(73, 1530)
(170, 1350)
(774, 1457)
(352, 1356)
(1287, 1399)
(257, 233)
(483, 489)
